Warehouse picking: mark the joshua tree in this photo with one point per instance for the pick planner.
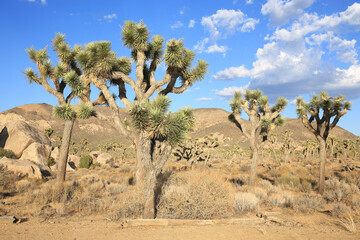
(103, 68)
(262, 120)
(325, 112)
(160, 132)
(55, 79)
(287, 146)
(331, 143)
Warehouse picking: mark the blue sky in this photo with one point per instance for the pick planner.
(285, 48)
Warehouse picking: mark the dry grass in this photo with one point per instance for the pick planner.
(195, 195)
(308, 203)
(336, 190)
(348, 224)
(246, 202)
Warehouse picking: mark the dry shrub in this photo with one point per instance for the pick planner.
(195, 195)
(293, 183)
(22, 185)
(276, 200)
(340, 210)
(336, 190)
(7, 180)
(246, 202)
(51, 192)
(308, 203)
(129, 204)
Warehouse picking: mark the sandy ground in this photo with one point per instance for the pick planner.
(102, 229)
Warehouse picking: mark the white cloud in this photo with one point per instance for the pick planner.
(200, 45)
(203, 99)
(31, 0)
(281, 11)
(216, 49)
(181, 12)
(232, 73)
(191, 23)
(226, 22)
(249, 2)
(229, 92)
(221, 25)
(110, 17)
(178, 24)
(43, 1)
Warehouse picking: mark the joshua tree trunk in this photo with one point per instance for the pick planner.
(254, 159)
(64, 150)
(322, 164)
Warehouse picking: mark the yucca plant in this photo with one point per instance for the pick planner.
(262, 120)
(325, 112)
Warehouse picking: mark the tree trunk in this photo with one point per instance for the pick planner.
(322, 143)
(149, 195)
(64, 151)
(253, 165)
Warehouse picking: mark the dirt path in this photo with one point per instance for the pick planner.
(101, 229)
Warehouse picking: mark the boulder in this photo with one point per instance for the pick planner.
(22, 167)
(55, 153)
(37, 152)
(104, 159)
(74, 159)
(95, 154)
(69, 168)
(20, 135)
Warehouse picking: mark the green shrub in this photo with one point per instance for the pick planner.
(6, 153)
(85, 161)
(51, 161)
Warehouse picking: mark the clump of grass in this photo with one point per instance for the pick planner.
(336, 190)
(308, 203)
(129, 204)
(246, 202)
(348, 224)
(7, 180)
(294, 183)
(195, 195)
(6, 153)
(340, 209)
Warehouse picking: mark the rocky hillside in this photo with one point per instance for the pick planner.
(208, 121)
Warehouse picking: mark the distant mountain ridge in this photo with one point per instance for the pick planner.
(207, 121)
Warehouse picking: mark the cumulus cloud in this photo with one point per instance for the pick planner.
(221, 25)
(191, 23)
(229, 91)
(110, 17)
(249, 2)
(232, 73)
(178, 24)
(281, 11)
(310, 55)
(43, 1)
(203, 99)
(216, 49)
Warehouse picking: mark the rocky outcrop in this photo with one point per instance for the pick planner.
(19, 135)
(104, 159)
(22, 167)
(37, 152)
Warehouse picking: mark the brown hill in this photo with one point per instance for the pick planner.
(208, 121)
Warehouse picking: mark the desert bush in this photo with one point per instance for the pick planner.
(129, 204)
(51, 192)
(340, 209)
(246, 202)
(22, 185)
(195, 195)
(336, 190)
(7, 180)
(6, 153)
(276, 200)
(85, 161)
(293, 183)
(308, 203)
(50, 161)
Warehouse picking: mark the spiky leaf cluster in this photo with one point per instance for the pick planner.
(85, 111)
(135, 36)
(65, 112)
(97, 58)
(331, 106)
(154, 118)
(73, 81)
(62, 48)
(30, 75)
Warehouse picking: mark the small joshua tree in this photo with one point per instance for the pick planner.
(55, 78)
(262, 120)
(160, 132)
(320, 116)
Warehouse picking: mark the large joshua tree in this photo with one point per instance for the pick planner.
(320, 115)
(262, 120)
(103, 69)
(54, 79)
